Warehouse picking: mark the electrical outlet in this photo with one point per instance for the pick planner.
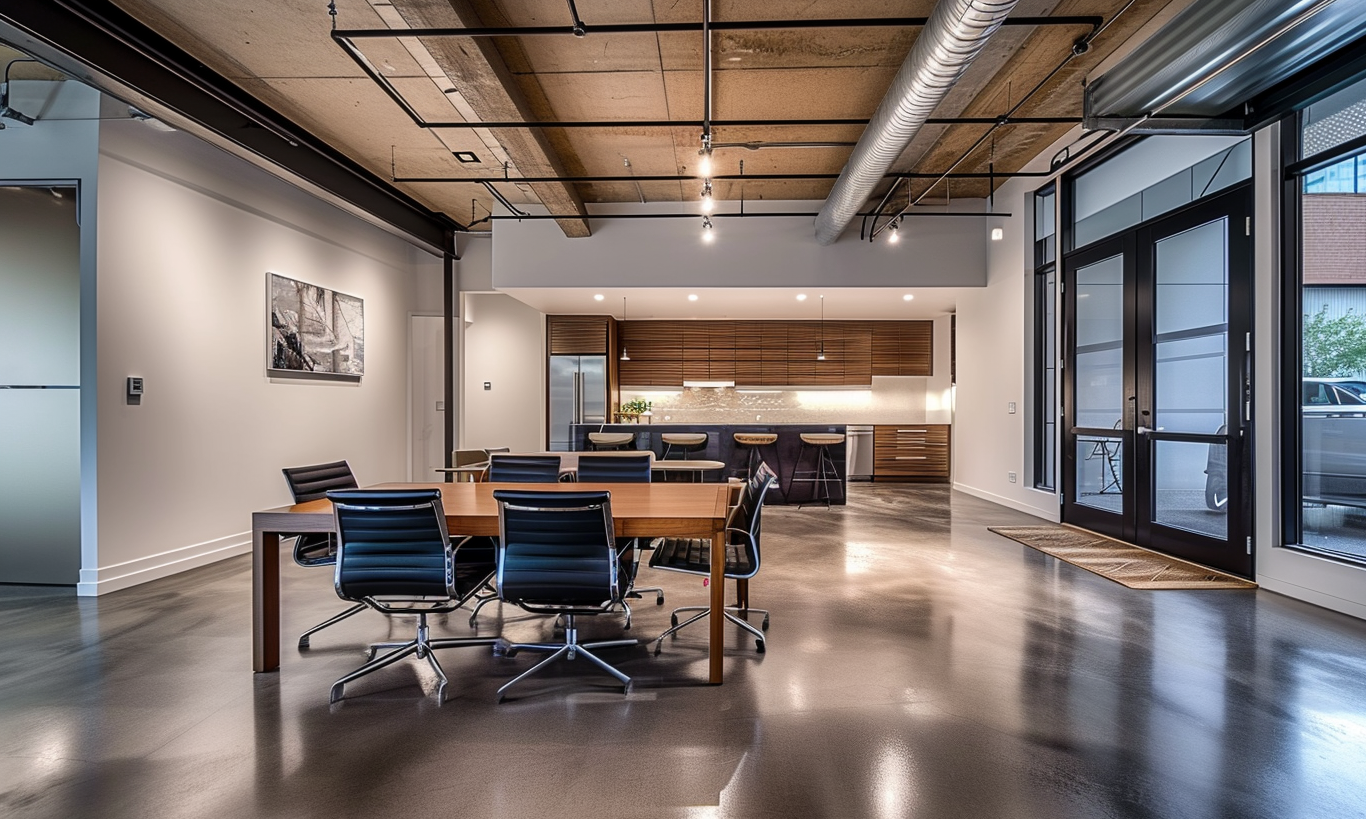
(1010, 407)
(1010, 476)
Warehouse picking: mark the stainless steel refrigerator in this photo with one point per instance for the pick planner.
(578, 395)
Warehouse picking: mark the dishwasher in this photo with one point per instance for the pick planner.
(859, 452)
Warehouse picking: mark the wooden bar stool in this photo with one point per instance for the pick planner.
(607, 441)
(685, 442)
(753, 442)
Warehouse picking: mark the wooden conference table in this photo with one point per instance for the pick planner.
(644, 510)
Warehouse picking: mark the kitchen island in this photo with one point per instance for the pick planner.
(781, 456)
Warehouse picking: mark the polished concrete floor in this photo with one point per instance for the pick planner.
(917, 666)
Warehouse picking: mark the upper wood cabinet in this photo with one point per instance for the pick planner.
(773, 353)
(578, 335)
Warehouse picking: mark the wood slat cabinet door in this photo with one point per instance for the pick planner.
(919, 451)
(577, 335)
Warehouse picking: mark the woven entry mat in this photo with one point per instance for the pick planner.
(1121, 562)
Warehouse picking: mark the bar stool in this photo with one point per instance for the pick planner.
(825, 471)
(684, 442)
(606, 441)
(754, 441)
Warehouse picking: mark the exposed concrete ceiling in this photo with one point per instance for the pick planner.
(282, 52)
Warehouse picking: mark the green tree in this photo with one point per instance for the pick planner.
(1333, 347)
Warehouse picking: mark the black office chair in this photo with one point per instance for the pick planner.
(395, 556)
(693, 556)
(622, 469)
(557, 555)
(524, 468)
(310, 483)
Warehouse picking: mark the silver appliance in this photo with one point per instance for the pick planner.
(578, 395)
(859, 453)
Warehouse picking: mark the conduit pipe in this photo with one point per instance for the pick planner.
(954, 36)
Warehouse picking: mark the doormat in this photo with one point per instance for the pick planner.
(1121, 562)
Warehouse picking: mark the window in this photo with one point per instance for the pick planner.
(1045, 340)
(1326, 330)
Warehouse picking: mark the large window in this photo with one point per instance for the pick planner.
(1327, 339)
(1045, 340)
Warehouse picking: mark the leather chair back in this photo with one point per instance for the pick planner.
(556, 550)
(309, 483)
(524, 468)
(748, 517)
(615, 468)
(392, 543)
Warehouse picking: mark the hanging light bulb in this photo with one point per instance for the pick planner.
(707, 202)
(820, 352)
(704, 164)
(894, 232)
(624, 356)
(707, 235)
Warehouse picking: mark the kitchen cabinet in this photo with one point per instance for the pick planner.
(911, 452)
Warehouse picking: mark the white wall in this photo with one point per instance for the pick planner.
(504, 344)
(757, 252)
(993, 364)
(187, 235)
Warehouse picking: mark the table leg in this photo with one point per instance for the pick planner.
(265, 600)
(717, 618)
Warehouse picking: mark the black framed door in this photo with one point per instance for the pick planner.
(1155, 403)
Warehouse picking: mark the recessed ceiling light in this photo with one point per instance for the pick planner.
(801, 297)
(692, 297)
(466, 157)
(597, 297)
(907, 297)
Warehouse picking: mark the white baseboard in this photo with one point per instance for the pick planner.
(1327, 601)
(1018, 506)
(107, 579)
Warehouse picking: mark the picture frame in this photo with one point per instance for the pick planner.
(314, 331)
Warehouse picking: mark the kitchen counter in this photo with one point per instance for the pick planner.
(780, 456)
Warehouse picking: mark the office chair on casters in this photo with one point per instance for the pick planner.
(557, 555)
(623, 469)
(395, 556)
(310, 483)
(693, 556)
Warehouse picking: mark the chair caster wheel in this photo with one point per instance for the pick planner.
(660, 601)
(673, 620)
(303, 643)
(765, 624)
(658, 646)
(336, 693)
(626, 627)
(626, 689)
(759, 646)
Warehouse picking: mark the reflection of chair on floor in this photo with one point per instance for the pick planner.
(1108, 450)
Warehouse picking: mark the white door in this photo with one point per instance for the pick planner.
(427, 396)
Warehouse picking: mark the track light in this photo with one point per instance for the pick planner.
(707, 235)
(894, 232)
(704, 164)
(707, 202)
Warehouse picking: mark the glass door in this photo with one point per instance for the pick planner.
(1193, 376)
(1157, 384)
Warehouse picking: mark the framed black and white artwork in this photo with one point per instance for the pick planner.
(315, 330)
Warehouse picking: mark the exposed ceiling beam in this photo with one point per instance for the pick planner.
(96, 41)
(734, 177)
(738, 123)
(487, 85)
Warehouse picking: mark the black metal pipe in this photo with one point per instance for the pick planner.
(731, 123)
(706, 72)
(769, 177)
(683, 28)
(737, 215)
(502, 200)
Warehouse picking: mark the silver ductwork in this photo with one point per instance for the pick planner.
(954, 36)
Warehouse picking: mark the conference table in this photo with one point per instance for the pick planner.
(644, 510)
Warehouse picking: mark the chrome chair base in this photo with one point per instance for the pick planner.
(422, 645)
(356, 609)
(702, 611)
(570, 649)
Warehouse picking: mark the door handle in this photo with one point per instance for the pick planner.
(1146, 430)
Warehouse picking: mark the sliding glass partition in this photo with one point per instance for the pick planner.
(1045, 340)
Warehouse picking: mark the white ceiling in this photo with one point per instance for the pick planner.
(745, 303)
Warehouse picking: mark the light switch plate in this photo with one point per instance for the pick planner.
(1010, 407)
(488, 385)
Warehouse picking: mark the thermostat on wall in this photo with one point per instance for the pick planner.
(134, 386)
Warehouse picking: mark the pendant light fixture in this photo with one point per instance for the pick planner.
(707, 235)
(624, 356)
(894, 232)
(820, 352)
